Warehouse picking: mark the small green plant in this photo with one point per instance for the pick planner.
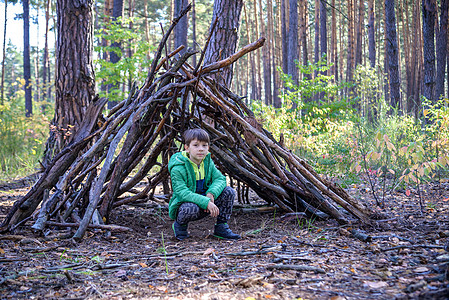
(98, 259)
(165, 253)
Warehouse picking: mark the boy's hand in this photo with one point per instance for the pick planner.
(212, 209)
(211, 197)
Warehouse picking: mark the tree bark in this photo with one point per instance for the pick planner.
(392, 52)
(428, 16)
(334, 53)
(293, 54)
(181, 29)
(225, 38)
(371, 34)
(75, 82)
(350, 60)
(46, 66)
(303, 34)
(266, 58)
(323, 31)
(360, 26)
(194, 32)
(284, 31)
(442, 50)
(26, 58)
(4, 54)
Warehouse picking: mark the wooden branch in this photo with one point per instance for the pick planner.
(114, 228)
(299, 268)
(233, 58)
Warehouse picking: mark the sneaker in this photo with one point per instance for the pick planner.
(180, 231)
(223, 231)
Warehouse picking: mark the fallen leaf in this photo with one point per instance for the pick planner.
(208, 251)
(376, 284)
(120, 273)
(407, 192)
(143, 265)
(421, 269)
(2, 252)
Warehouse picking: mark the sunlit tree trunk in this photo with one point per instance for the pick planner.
(266, 53)
(350, 60)
(274, 23)
(360, 26)
(334, 54)
(293, 54)
(75, 82)
(224, 39)
(46, 66)
(392, 52)
(428, 16)
(26, 58)
(194, 32)
(317, 37)
(442, 49)
(417, 63)
(4, 54)
(181, 28)
(284, 31)
(371, 34)
(257, 54)
(303, 34)
(406, 49)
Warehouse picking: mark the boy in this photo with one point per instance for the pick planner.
(199, 188)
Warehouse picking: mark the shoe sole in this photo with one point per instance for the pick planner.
(223, 238)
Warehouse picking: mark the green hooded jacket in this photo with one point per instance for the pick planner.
(183, 180)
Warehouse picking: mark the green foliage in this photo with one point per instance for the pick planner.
(401, 149)
(132, 67)
(391, 150)
(22, 140)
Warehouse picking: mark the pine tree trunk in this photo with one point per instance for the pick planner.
(334, 53)
(194, 32)
(4, 54)
(371, 34)
(442, 49)
(181, 29)
(45, 67)
(303, 34)
(360, 26)
(406, 48)
(350, 60)
(317, 38)
(266, 58)
(284, 30)
(323, 31)
(392, 53)
(275, 35)
(428, 13)
(257, 54)
(224, 39)
(26, 58)
(37, 86)
(293, 44)
(75, 82)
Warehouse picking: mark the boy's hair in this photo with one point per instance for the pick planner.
(196, 133)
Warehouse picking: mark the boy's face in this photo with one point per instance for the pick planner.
(197, 150)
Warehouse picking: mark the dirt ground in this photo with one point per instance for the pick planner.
(401, 256)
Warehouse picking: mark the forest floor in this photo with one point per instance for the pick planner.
(402, 257)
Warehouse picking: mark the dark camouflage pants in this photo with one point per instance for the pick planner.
(189, 211)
